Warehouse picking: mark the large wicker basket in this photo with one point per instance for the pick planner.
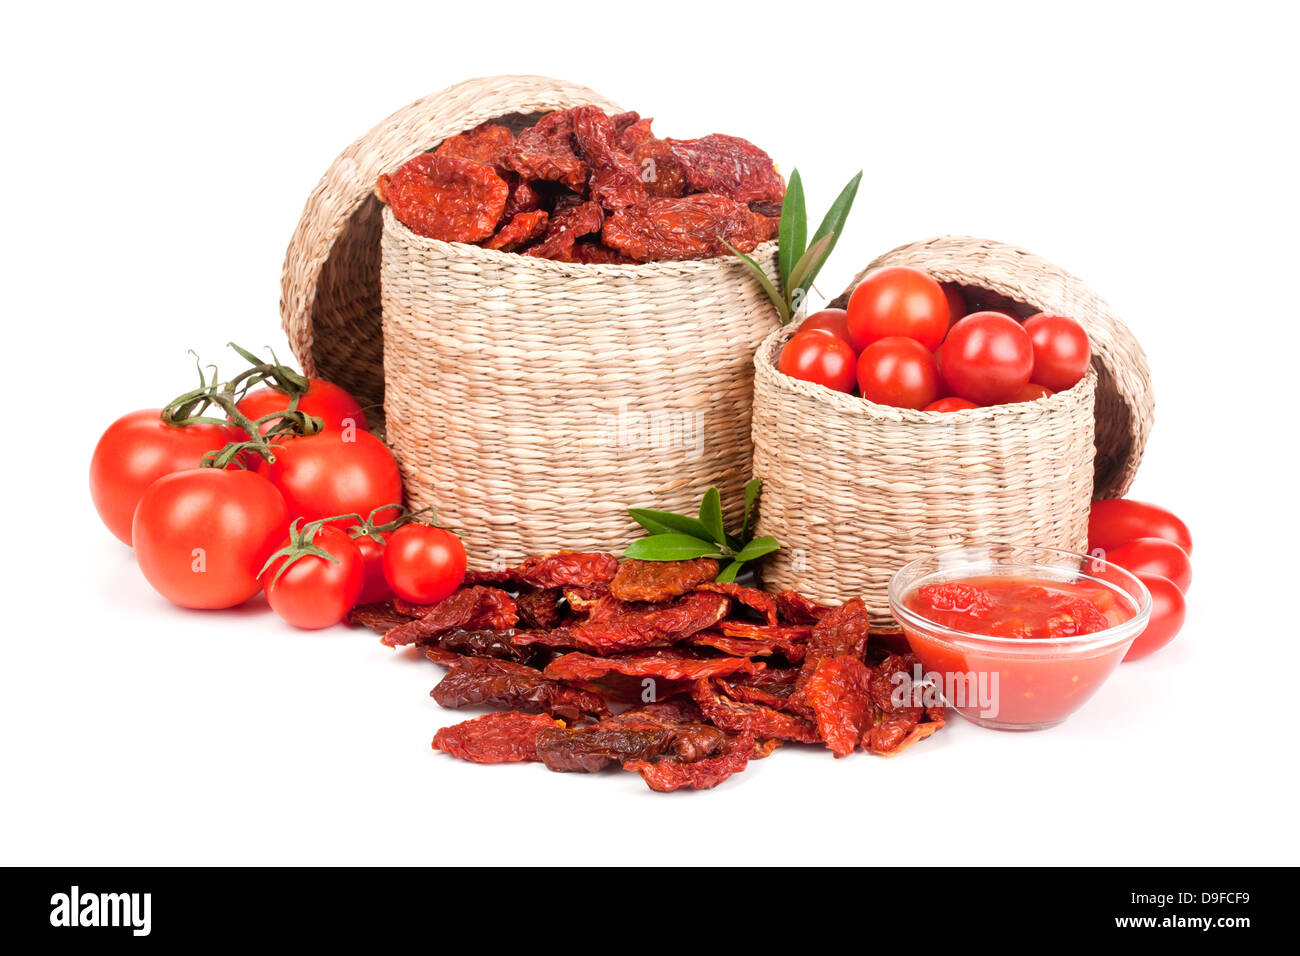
(530, 401)
(855, 490)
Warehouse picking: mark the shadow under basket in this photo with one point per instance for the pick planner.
(855, 490)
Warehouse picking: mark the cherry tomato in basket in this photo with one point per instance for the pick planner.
(1168, 611)
(311, 591)
(1117, 521)
(950, 404)
(819, 356)
(1061, 351)
(376, 588)
(957, 308)
(137, 450)
(898, 301)
(899, 372)
(1154, 556)
(423, 564)
(834, 321)
(332, 404)
(202, 536)
(1032, 393)
(987, 358)
(334, 473)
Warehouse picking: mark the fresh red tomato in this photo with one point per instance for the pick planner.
(987, 358)
(202, 536)
(1168, 611)
(312, 591)
(899, 372)
(423, 564)
(898, 301)
(1117, 521)
(333, 405)
(376, 589)
(834, 321)
(1032, 393)
(334, 473)
(957, 307)
(950, 404)
(137, 450)
(1154, 556)
(820, 357)
(1061, 351)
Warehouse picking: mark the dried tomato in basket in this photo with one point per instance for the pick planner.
(486, 143)
(614, 181)
(692, 227)
(729, 166)
(519, 231)
(546, 151)
(660, 172)
(447, 198)
(566, 227)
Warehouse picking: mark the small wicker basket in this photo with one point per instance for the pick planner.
(530, 401)
(855, 490)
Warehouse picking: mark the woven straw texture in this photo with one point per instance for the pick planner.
(855, 490)
(329, 304)
(533, 401)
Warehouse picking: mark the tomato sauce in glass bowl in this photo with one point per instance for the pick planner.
(1015, 637)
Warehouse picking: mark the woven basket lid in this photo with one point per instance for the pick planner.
(998, 276)
(329, 301)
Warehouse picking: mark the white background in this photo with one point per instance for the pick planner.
(156, 161)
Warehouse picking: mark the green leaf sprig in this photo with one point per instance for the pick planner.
(675, 537)
(800, 259)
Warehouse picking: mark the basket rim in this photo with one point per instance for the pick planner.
(469, 251)
(843, 403)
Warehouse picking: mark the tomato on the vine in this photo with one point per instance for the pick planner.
(333, 473)
(819, 356)
(137, 450)
(1117, 521)
(423, 564)
(898, 301)
(1061, 351)
(834, 321)
(1168, 611)
(1154, 556)
(202, 536)
(987, 358)
(315, 578)
(376, 587)
(331, 403)
(900, 372)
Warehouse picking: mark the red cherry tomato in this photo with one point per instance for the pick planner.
(987, 358)
(1117, 521)
(1032, 393)
(1061, 351)
(423, 564)
(334, 473)
(315, 592)
(376, 588)
(137, 450)
(1154, 556)
(898, 301)
(899, 372)
(1168, 611)
(950, 404)
(335, 406)
(820, 357)
(834, 321)
(957, 307)
(202, 536)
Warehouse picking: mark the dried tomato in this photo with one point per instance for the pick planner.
(729, 166)
(766, 228)
(596, 253)
(634, 134)
(896, 726)
(566, 227)
(485, 143)
(793, 608)
(842, 632)
(447, 198)
(540, 609)
(771, 688)
(524, 197)
(621, 121)
(472, 608)
(546, 151)
(660, 172)
(635, 630)
(478, 643)
(520, 230)
(839, 695)
(692, 227)
(569, 569)
(757, 720)
(752, 598)
(670, 664)
(615, 181)
(484, 680)
(638, 735)
(379, 618)
(671, 774)
(657, 581)
(494, 738)
(748, 646)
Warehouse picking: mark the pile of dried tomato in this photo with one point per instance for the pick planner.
(582, 186)
(709, 676)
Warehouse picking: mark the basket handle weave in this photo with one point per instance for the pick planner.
(347, 184)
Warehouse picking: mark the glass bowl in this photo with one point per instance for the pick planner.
(1018, 683)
